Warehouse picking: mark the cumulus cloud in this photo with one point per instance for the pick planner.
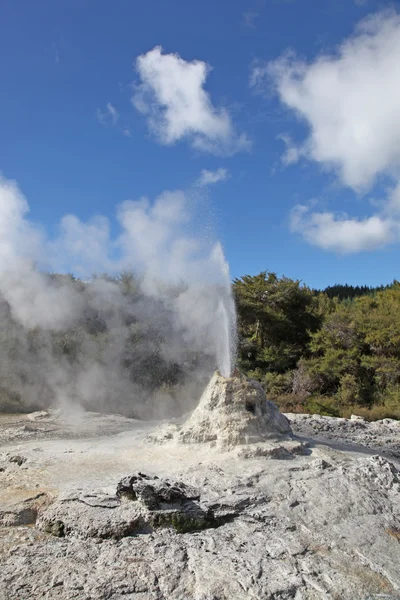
(109, 116)
(348, 100)
(210, 177)
(392, 205)
(172, 96)
(341, 233)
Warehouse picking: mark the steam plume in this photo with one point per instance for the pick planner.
(142, 343)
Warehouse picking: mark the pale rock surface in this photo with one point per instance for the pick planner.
(323, 528)
(142, 504)
(85, 516)
(53, 424)
(381, 436)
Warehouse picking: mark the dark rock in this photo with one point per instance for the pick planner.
(141, 505)
(17, 459)
(169, 503)
(56, 528)
(153, 492)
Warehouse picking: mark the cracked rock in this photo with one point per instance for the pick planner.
(141, 505)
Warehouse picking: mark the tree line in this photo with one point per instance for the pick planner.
(333, 352)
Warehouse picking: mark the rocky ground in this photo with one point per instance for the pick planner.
(97, 510)
(379, 436)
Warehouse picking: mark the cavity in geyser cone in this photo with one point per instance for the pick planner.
(233, 411)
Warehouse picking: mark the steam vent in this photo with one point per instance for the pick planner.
(233, 411)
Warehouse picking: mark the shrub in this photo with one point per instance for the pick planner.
(323, 405)
(290, 403)
(278, 383)
(349, 392)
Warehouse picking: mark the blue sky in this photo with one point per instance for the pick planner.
(290, 115)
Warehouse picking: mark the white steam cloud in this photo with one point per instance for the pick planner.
(106, 342)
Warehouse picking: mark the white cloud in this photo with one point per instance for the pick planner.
(392, 205)
(171, 94)
(349, 100)
(292, 153)
(249, 19)
(342, 234)
(258, 73)
(209, 177)
(109, 116)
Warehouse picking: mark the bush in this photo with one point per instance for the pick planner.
(302, 381)
(349, 392)
(322, 405)
(375, 413)
(290, 403)
(278, 383)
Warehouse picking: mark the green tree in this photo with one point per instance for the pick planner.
(275, 317)
(355, 356)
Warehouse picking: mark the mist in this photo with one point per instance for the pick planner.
(133, 323)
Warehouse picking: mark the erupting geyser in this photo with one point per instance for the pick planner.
(225, 329)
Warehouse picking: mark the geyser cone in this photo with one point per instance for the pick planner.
(232, 411)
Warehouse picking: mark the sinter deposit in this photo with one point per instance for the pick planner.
(232, 411)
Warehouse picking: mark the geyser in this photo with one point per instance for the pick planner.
(144, 344)
(224, 344)
(225, 334)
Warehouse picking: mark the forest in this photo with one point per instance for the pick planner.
(333, 352)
